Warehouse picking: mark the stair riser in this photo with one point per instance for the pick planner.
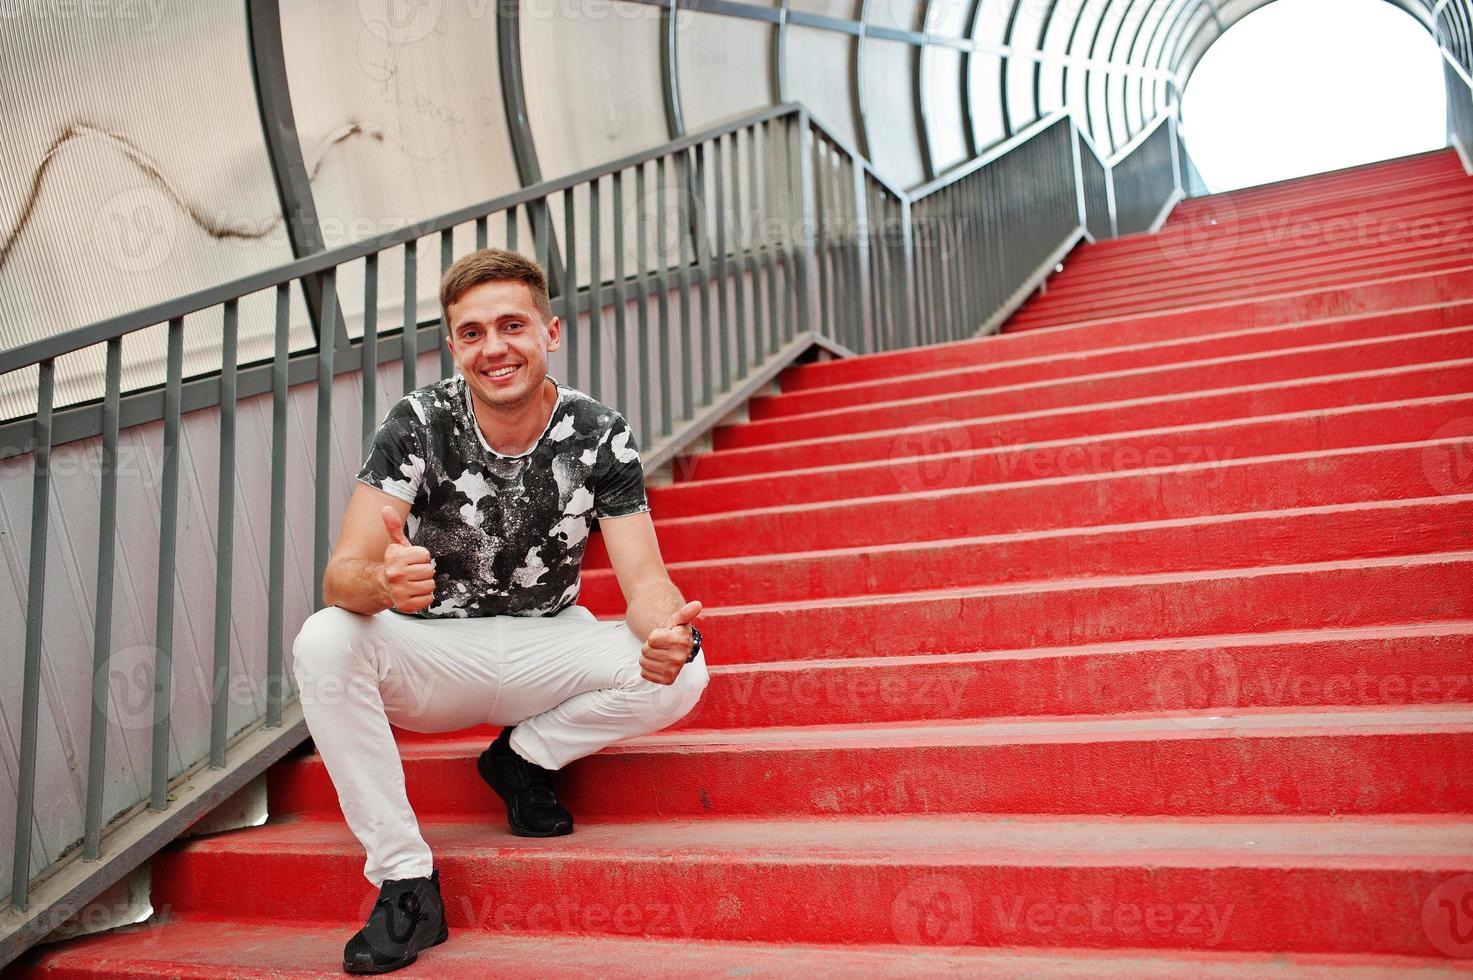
(1084, 341)
(928, 623)
(1237, 544)
(1182, 775)
(1233, 406)
(942, 399)
(1391, 473)
(1005, 373)
(1223, 679)
(1314, 909)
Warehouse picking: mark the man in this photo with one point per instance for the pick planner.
(451, 596)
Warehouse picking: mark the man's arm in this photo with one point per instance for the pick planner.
(373, 567)
(656, 610)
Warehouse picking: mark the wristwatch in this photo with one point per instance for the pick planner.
(695, 646)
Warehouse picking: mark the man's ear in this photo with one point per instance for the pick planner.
(554, 334)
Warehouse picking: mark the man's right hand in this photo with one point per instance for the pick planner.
(408, 570)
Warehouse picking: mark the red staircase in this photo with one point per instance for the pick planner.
(1135, 642)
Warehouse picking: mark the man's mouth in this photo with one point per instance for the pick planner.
(501, 373)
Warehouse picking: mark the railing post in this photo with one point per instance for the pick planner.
(864, 300)
(801, 159)
(1081, 207)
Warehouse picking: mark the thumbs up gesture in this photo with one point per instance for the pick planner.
(409, 572)
(668, 646)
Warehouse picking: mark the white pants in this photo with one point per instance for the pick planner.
(570, 683)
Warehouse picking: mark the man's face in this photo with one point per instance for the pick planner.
(500, 342)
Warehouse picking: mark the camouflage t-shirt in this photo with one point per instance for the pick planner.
(507, 533)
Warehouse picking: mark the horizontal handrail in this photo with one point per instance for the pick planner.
(990, 155)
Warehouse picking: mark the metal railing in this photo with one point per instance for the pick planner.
(688, 276)
(1134, 190)
(1459, 86)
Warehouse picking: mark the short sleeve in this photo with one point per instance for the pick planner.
(618, 476)
(396, 459)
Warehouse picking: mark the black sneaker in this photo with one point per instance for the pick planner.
(532, 808)
(407, 919)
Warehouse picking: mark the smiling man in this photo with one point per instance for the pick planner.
(451, 596)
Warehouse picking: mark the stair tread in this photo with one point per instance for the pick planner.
(200, 947)
(1402, 840)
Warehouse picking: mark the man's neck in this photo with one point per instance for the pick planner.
(513, 429)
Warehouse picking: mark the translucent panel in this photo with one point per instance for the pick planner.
(944, 121)
(593, 84)
(819, 65)
(843, 9)
(399, 120)
(992, 21)
(134, 171)
(986, 107)
(903, 15)
(724, 68)
(889, 102)
(949, 18)
(1026, 37)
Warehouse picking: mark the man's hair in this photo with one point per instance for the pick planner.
(493, 265)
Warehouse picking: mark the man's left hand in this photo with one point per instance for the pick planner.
(668, 646)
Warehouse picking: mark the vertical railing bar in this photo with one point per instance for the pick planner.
(777, 157)
(723, 319)
(410, 339)
(276, 588)
(864, 258)
(163, 679)
(570, 286)
(225, 535)
(621, 340)
(30, 712)
(684, 205)
(595, 292)
(481, 232)
(102, 631)
(845, 178)
(662, 256)
(511, 228)
(447, 259)
(761, 259)
(745, 271)
(370, 350)
(642, 307)
(322, 475)
(702, 254)
(955, 250)
(821, 247)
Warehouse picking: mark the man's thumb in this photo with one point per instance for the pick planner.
(395, 525)
(684, 615)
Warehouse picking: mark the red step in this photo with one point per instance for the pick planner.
(1303, 885)
(1340, 531)
(205, 949)
(1395, 472)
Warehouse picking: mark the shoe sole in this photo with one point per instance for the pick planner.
(516, 831)
(390, 968)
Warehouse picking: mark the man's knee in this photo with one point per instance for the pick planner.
(662, 705)
(327, 644)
